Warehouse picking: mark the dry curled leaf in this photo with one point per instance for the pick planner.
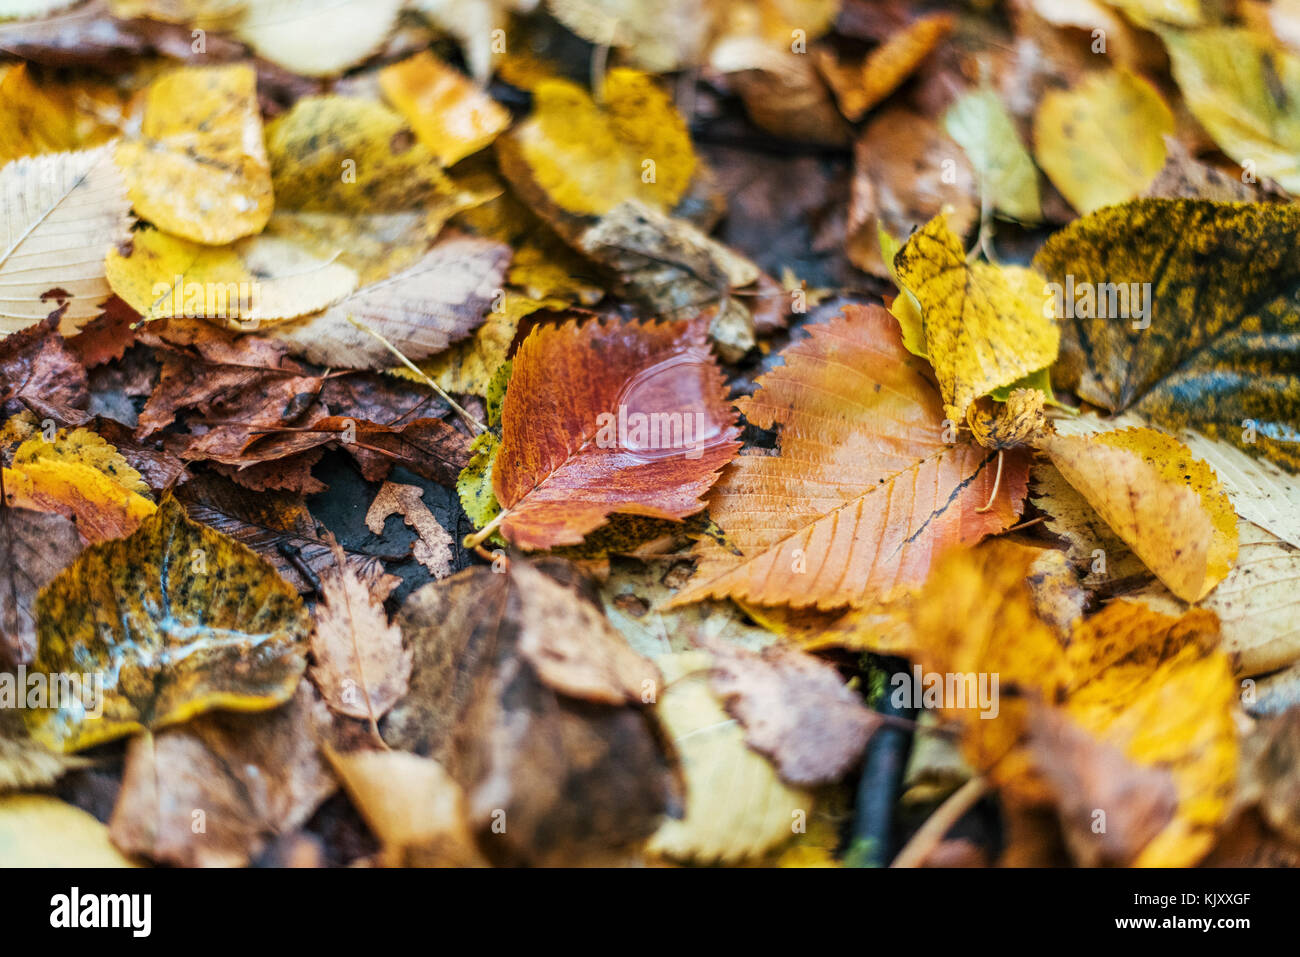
(432, 548)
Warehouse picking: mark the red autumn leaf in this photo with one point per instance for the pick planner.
(609, 417)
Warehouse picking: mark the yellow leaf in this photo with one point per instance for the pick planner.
(736, 806)
(102, 508)
(586, 158)
(985, 326)
(1153, 685)
(53, 117)
(1102, 142)
(199, 169)
(450, 114)
(348, 154)
(1167, 506)
(262, 278)
(1242, 88)
(177, 619)
(1149, 684)
(60, 212)
(861, 87)
(83, 447)
(41, 831)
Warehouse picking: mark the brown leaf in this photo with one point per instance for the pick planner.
(242, 777)
(276, 525)
(39, 372)
(573, 780)
(1088, 775)
(1270, 775)
(242, 379)
(795, 709)
(34, 547)
(870, 483)
(906, 170)
(428, 447)
(432, 548)
(566, 463)
(361, 668)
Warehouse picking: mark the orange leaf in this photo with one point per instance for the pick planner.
(867, 488)
(609, 417)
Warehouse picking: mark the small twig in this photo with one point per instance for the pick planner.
(472, 422)
(928, 836)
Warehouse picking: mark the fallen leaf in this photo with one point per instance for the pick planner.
(1102, 142)
(1088, 776)
(1181, 310)
(865, 491)
(210, 793)
(37, 830)
(675, 271)
(645, 435)
(795, 709)
(906, 172)
(44, 200)
(415, 808)
(304, 37)
(44, 117)
(26, 764)
(573, 779)
(781, 89)
(584, 158)
(1239, 84)
(861, 87)
(1146, 683)
(440, 299)
(361, 668)
(40, 373)
(450, 114)
(101, 508)
(82, 447)
(256, 280)
(179, 620)
(432, 547)
(1007, 176)
(736, 806)
(985, 325)
(34, 547)
(275, 525)
(199, 169)
(1164, 504)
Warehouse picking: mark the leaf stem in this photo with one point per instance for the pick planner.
(476, 539)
